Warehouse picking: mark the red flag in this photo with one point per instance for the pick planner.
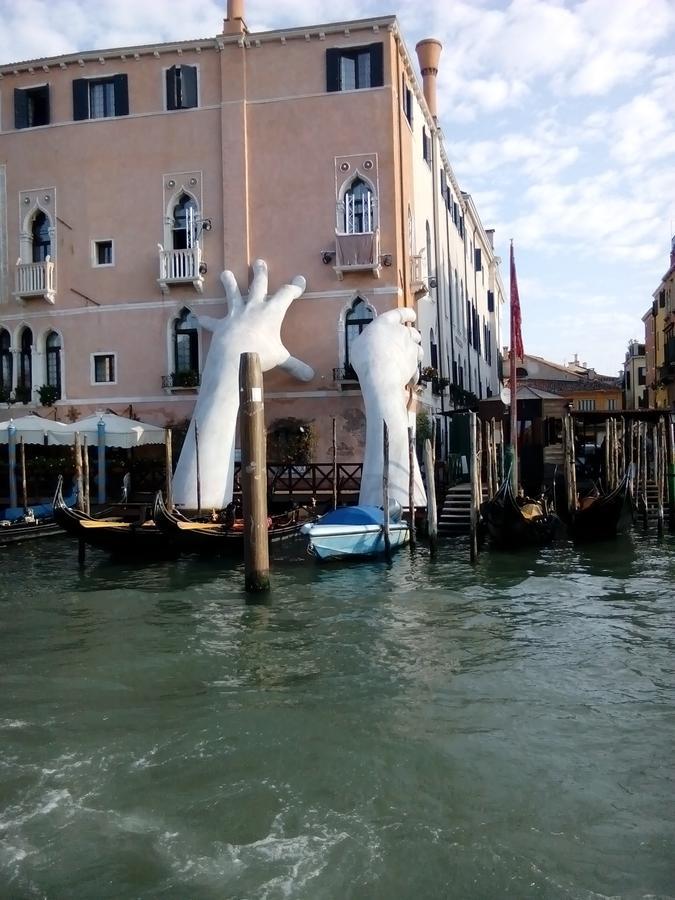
(516, 321)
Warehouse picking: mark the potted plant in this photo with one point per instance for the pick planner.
(22, 394)
(187, 379)
(427, 374)
(48, 394)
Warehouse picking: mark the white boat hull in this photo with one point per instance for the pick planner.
(344, 541)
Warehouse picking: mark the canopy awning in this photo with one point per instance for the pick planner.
(32, 428)
(119, 431)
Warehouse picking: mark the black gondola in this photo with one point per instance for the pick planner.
(27, 531)
(513, 523)
(211, 538)
(603, 516)
(116, 535)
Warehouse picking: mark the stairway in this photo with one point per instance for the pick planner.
(455, 514)
(652, 505)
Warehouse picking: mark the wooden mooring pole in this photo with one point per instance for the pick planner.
(79, 503)
(385, 491)
(335, 464)
(475, 476)
(168, 464)
(253, 475)
(411, 485)
(85, 475)
(22, 461)
(199, 478)
(432, 513)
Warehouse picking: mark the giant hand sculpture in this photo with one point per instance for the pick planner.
(385, 356)
(252, 325)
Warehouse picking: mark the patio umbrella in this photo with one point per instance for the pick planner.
(32, 428)
(118, 431)
(109, 430)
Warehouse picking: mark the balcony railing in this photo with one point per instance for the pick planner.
(357, 253)
(345, 374)
(181, 267)
(35, 279)
(181, 381)
(418, 275)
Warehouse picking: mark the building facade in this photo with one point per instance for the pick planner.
(130, 178)
(635, 376)
(663, 314)
(583, 387)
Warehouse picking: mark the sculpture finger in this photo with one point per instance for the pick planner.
(258, 290)
(288, 293)
(398, 316)
(232, 292)
(297, 369)
(208, 322)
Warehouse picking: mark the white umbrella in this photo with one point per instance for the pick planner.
(32, 429)
(119, 431)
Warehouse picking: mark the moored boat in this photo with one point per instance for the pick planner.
(513, 522)
(120, 534)
(603, 516)
(215, 537)
(354, 532)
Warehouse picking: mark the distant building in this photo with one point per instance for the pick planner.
(635, 377)
(129, 178)
(580, 385)
(660, 340)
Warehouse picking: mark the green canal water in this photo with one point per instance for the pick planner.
(424, 730)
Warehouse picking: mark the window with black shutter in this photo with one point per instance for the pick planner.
(478, 261)
(407, 97)
(31, 106)
(426, 146)
(181, 87)
(354, 68)
(491, 301)
(100, 98)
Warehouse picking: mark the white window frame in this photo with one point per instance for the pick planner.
(92, 365)
(94, 253)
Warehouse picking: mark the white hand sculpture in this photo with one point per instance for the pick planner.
(386, 356)
(252, 325)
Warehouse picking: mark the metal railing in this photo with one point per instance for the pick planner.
(345, 374)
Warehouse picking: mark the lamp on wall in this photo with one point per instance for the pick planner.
(387, 259)
(327, 256)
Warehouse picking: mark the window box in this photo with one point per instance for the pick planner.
(35, 280)
(418, 284)
(181, 381)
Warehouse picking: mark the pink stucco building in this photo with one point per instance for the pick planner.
(129, 178)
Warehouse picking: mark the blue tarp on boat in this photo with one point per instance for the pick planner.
(353, 515)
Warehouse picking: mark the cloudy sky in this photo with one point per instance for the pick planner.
(559, 118)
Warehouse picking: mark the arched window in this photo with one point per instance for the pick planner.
(356, 320)
(359, 208)
(184, 223)
(26, 361)
(5, 364)
(53, 353)
(430, 266)
(433, 350)
(42, 241)
(186, 343)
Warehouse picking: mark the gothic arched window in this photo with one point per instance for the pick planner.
(42, 241)
(359, 203)
(5, 363)
(26, 361)
(186, 343)
(359, 316)
(53, 354)
(184, 223)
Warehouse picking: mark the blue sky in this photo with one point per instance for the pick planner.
(558, 116)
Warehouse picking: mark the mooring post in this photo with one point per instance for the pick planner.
(432, 513)
(168, 463)
(411, 484)
(11, 447)
(659, 469)
(199, 479)
(79, 503)
(85, 475)
(473, 511)
(253, 475)
(644, 428)
(670, 468)
(335, 466)
(22, 461)
(385, 490)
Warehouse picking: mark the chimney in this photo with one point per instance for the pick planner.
(491, 236)
(234, 21)
(672, 251)
(428, 54)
